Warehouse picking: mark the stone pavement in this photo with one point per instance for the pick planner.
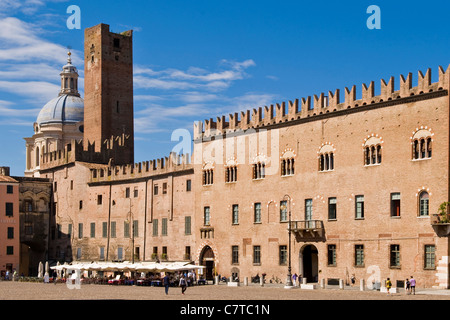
(40, 291)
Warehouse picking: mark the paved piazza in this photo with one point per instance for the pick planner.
(40, 291)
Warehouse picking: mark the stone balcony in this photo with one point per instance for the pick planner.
(441, 224)
(308, 230)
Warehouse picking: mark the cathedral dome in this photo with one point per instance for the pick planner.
(63, 109)
(68, 107)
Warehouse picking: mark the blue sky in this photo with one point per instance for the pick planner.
(195, 60)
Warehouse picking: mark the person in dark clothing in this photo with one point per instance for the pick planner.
(166, 282)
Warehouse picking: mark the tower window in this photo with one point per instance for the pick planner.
(116, 43)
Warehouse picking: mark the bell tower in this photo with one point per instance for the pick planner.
(108, 90)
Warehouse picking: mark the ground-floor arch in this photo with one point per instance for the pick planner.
(207, 259)
(309, 263)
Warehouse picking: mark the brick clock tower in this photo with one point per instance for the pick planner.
(108, 101)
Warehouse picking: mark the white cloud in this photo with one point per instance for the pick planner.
(39, 91)
(194, 78)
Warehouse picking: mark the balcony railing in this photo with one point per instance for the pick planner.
(308, 230)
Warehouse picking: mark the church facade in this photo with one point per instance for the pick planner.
(318, 187)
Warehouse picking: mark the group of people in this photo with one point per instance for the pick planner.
(410, 285)
(183, 281)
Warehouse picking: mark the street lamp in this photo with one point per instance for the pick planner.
(289, 284)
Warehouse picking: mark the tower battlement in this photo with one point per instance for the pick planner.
(171, 164)
(320, 104)
(111, 152)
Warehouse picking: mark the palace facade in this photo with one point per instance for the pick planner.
(331, 188)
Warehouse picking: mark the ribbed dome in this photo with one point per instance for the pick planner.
(63, 109)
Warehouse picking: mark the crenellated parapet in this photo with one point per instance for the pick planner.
(111, 151)
(167, 165)
(321, 104)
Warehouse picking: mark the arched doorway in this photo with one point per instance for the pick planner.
(207, 260)
(309, 263)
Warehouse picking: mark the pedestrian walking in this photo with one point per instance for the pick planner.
(408, 286)
(183, 284)
(166, 282)
(388, 285)
(413, 285)
(294, 278)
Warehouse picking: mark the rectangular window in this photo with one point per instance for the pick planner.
(135, 192)
(332, 208)
(10, 233)
(78, 253)
(164, 191)
(99, 199)
(9, 189)
(308, 214)
(164, 253)
(187, 253)
(155, 189)
(127, 192)
(331, 254)
(187, 225)
(235, 214)
(119, 253)
(359, 207)
(188, 185)
(9, 250)
(430, 257)
(206, 216)
(135, 228)
(155, 227)
(258, 212)
(92, 229)
(395, 204)
(80, 231)
(113, 229)
(235, 255)
(126, 229)
(69, 231)
(359, 255)
(164, 227)
(102, 253)
(81, 205)
(283, 211)
(283, 255)
(9, 209)
(256, 254)
(395, 255)
(104, 229)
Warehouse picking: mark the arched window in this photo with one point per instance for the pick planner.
(424, 204)
(288, 163)
(326, 157)
(259, 167)
(231, 171)
(372, 150)
(208, 174)
(421, 143)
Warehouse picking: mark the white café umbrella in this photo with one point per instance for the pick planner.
(41, 270)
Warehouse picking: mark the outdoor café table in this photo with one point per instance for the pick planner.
(140, 282)
(155, 283)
